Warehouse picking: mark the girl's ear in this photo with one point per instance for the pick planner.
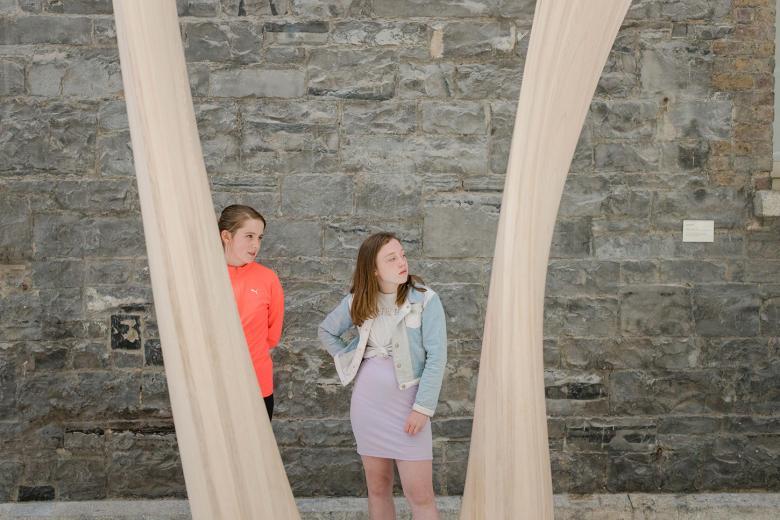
(225, 236)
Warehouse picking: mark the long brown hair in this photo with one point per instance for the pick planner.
(234, 216)
(365, 286)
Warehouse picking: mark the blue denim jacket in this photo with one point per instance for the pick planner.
(419, 346)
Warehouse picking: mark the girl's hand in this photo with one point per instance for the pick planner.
(415, 422)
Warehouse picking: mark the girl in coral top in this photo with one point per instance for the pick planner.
(257, 290)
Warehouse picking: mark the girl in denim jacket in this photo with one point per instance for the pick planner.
(397, 361)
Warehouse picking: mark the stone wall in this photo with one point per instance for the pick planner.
(337, 118)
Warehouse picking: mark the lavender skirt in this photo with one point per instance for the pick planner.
(379, 411)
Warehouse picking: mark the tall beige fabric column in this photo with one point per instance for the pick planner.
(509, 463)
(231, 463)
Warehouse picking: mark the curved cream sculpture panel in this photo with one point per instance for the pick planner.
(509, 464)
(232, 467)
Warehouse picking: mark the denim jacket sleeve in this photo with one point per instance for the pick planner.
(334, 326)
(434, 340)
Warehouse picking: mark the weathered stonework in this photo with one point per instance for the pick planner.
(338, 118)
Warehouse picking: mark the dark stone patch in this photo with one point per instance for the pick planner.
(35, 493)
(125, 332)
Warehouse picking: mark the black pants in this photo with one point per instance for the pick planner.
(269, 406)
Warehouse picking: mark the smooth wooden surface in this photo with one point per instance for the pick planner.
(509, 464)
(231, 463)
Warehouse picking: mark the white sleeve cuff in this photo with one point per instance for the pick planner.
(423, 410)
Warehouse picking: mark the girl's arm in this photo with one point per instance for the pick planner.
(333, 326)
(434, 340)
(275, 313)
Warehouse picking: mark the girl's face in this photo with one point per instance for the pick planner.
(242, 246)
(391, 267)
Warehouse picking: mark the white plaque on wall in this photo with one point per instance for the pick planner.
(698, 231)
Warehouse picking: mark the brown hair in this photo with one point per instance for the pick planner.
(365, 286)
(234, 216)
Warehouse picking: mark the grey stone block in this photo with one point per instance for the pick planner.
(197, 7)
(141, 464)
(11, 78)
(767, 203)
(352, 74)
(570, 470)
(625, 157)
(489, 81)
(571, 239)
(379, 117)
(454, 117)
(661, 310)
(633, 246)
(115, 154)
(239, 41)
(83, 396)
(464, 308)
(762, 244)
(739, 352)
(343, 237)
(380, 33)
(472, 218)
(154, 394)
(285, 55)
(698, 120)
(471, 39)
(624, 119)
(54, 136)
(90, 355)
(79, 6)
(15, 229)
(452, 271)
(83, 478)
(630, 352)
(257, 82)
(523, 10)
(254, 7)
(33, 29)
(726, 310)
(426, 80)
(319, 9)
(289, 238)
(95, 196)
(678, 10)
(676, 66)
(381, 196)
(566, 277)
(334, 472)
(313, 195)
(287, 127)
(218, 128)
(423, 154)
(435, 8)
(770, 310)
(581, 316)
(698, 392)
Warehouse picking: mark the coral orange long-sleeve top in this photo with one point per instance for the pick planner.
(260, 303)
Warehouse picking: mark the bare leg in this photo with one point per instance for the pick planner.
(417, 481)
(379, 479)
